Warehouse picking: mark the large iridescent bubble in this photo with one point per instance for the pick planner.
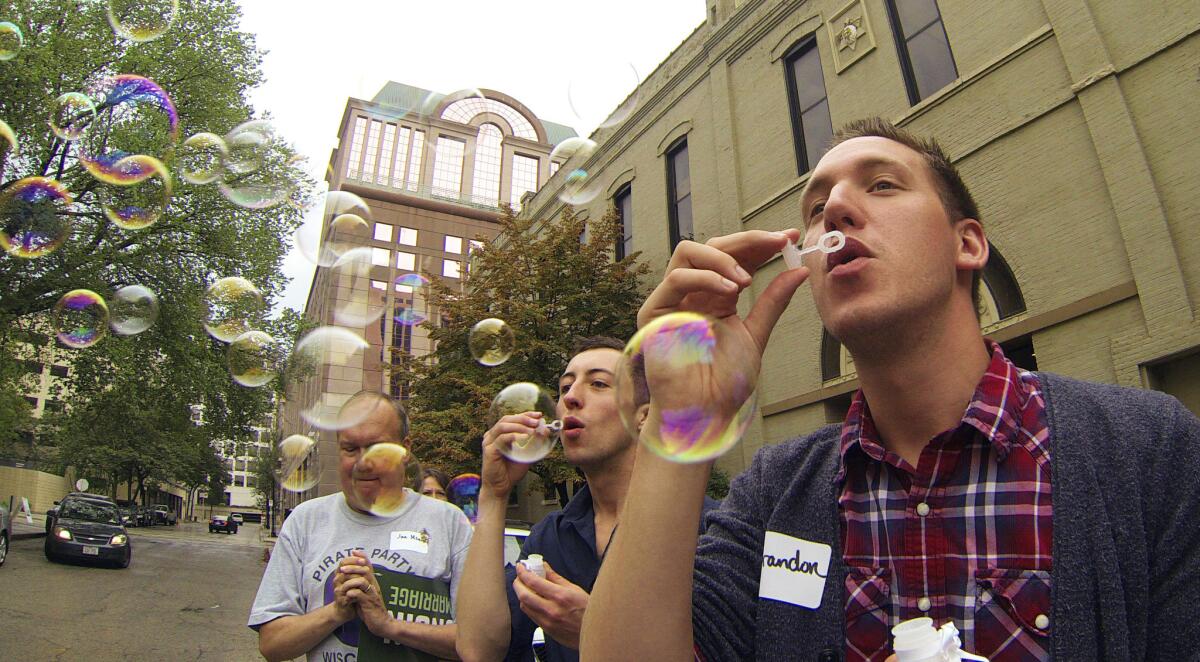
(384, 468)
(412, 300)
(464, 493)
(254, 358)
(80, 318)
(299, 463)
(699, 380)
(137, 116)
(134, 309)
(323, 354)
(517, 399)
(142, 20)
(233, 306)
(250, 178)
(11, 41)
(71, 114)
(33, 221)
(138, 191)
(201, 158)
(491, 341)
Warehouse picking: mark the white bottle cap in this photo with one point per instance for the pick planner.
(533, 563)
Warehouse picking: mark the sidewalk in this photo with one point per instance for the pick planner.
(23, 531)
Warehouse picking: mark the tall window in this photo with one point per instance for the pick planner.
(414, 161)
(811, 125)
(524, 177)
(924, 49)
(401, 157)
(623, 201)
(368, 169)
(448, 166)
(486, 186)
(356, 147)
(385, 160)
(679, 192)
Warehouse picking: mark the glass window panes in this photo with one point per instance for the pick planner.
(401, 157)
(383, 232)
(812, 126)
(408, 236)
(680, 186)
(406, 261)
(356, 147)
(624, 205)
(414, 160)
(453, 244)
(464, 110)
(378, 285)
(474, 245)
(385, 154)
(448, 167)
(379, 256)
(368, 169)
(450, 268)
(916, 15)
(932, 63)
(485, 188)
(524, 177)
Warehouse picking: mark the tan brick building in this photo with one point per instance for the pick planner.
(1073, 121)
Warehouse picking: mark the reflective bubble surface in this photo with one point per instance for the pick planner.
(201, 158)
(134, 308)
(11, 41)
(253, 359)
(464, 493)
(491, 341)
(359, 302)
(139, 192)
(80, 318)
(412, 300)
(323, 351)
(139, 117)
(32, 222)
(299, 463)
(142, 20)
(380, 478)
(702, 389)
(71, 114)
(593, 87)
(233, 306)
(517, 399)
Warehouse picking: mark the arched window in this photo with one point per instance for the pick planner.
(465, 110)
(486, 186)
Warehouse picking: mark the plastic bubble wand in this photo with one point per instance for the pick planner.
(830, 242)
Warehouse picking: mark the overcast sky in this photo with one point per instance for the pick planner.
(320, 52)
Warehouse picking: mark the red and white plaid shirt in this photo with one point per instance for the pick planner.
(964, 536)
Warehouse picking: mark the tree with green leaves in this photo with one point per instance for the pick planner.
(552, 288)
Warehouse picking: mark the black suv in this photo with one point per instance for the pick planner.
(222, 523)
(88, 530)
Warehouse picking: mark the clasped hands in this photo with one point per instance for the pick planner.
(356, 593)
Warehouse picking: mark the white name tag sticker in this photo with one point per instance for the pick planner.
(793, 570)
(411, 541)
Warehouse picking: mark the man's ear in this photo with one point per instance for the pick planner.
(643, 411)
(972, 245)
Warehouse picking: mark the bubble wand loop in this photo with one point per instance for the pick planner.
(830, 242)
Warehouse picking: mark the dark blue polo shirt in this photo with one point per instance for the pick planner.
(567, 540)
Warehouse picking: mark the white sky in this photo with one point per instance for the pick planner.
(321, 52)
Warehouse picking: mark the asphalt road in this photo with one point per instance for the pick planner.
(185, 596)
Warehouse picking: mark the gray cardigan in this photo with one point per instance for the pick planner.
(1125, 466)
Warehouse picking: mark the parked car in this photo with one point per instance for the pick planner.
(52, 513)
(145, 516)
(237, 517)
(164, 515)
(128, 510)
(5, 532)
(88, 530)
(222, 524)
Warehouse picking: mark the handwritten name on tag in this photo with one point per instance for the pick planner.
(793, 570)
(411, 541)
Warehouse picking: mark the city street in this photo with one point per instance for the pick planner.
(185, 596)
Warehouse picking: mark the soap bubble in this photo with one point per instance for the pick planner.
(571, 148)
(201, 157)
(464, 493)
(346, 231)
(594, 85)
(384, 465)
(80, 318)
(253, 359)
(491, 341)
(134, 309)
(579, 188)
(139, 118)
(356, 303)
(517, 399)
(142, 20)
(412, 300)
(10, 144)
(233, 305)
(31, 220)
(71, 114)
(11, 41)
(318, 249)
(251, 180)
(248, 146)
(328, 353)
(701, 381)
(140, 193)
(299, 463)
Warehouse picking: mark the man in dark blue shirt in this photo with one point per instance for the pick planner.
(572, 541)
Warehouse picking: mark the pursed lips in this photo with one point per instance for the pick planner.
(853, 250)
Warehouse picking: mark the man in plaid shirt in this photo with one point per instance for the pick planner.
(1027, 509)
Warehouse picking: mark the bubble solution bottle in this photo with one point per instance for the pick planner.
(535, 564)
(917, 641)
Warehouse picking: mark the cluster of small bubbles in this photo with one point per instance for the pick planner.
(464, 493)
(411, 299)
(144, 120)
(517, 399)
(71, 114)
(233, 305)
(491, 341)
(299, 463)
(253, 358)
(80, 318)
(666, 361)
(11, 41)
(326, 348)
(134, 309)
(32, 223)
(250, 179)
(201, 157)
(594, 85)
(142, 20)
(387, 464)
(360, 303)
(579, 188)
(139, 193)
